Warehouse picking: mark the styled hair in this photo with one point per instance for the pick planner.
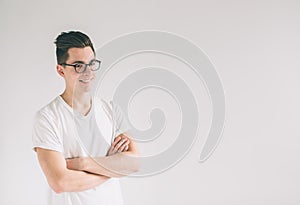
(67, 40)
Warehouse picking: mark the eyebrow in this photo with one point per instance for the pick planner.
(82, 61)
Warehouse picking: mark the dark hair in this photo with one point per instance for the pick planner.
(67, 40)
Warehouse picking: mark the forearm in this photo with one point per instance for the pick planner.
(76, 181)
(62, 179)
(117, 165)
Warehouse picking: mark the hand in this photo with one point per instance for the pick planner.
(76, 163)
(120, 144)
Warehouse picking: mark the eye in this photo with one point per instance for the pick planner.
(92, 63)
(78, 66)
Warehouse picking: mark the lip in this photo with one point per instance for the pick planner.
(86, 81)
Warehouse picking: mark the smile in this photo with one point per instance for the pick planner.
(85, 81)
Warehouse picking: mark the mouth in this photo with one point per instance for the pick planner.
(85, 80)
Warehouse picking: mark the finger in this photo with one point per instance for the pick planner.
(117, 144)
(116, 141)
(120, 137)
(127, 143)
(122, 148)
(112, 150)
(121, 143)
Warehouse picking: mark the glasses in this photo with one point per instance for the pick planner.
(81, 67)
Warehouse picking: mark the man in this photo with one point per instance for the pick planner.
(82, 142)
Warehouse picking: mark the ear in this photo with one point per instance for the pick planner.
(60, 70)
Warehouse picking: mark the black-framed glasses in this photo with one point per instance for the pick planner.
(81, 67)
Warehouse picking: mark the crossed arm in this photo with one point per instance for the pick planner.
(79, 174)
(122, 159)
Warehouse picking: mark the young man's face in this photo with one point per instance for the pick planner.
(78, 82)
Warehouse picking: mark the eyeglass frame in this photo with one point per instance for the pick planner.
(85, 65)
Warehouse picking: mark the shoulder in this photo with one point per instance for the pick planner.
(110, 106)
(48, 111)
(104, 103)
(100, 100)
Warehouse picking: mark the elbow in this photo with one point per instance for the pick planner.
(57, 190)
(131, 162)
(58, 186)
(135, 164)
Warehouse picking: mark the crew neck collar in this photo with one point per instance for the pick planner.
(66, 105)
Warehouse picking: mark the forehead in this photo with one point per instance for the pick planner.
(85, 54)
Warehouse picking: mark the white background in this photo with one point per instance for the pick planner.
(255, 48)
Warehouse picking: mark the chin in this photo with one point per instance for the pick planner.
(84, 88)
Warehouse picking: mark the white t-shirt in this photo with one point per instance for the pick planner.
(57, 127)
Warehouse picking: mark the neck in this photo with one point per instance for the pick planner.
(81, 102)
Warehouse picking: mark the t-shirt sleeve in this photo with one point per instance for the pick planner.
(45, 133)
(120, 119)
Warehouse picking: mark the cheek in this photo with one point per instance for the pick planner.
(75, 76)
(72, 77)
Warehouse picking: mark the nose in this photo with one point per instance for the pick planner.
(87, 71)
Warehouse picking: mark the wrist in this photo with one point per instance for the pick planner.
(83, 163)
